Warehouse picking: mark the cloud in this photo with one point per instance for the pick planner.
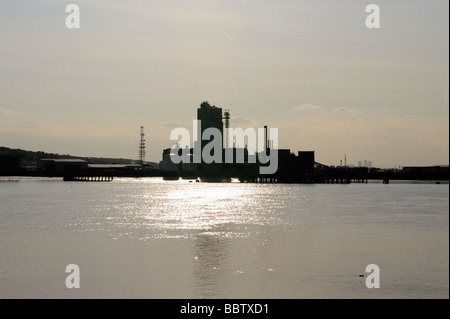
(244, 96)
(28, 124)
(230, 38)
(5, 111)
(312, 35)
(445, 105)
(343, 109)
(173, 124)
(371, 119)
(240, 121)
(307, 107)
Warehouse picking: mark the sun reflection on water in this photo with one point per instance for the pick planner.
(182, 209)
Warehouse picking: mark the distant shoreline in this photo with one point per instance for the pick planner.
(18, 178)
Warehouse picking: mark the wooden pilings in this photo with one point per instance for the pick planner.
(346, 180)
(266, 180)
(88, 178)
(338, 181)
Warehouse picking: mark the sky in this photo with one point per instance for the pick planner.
(310, 68)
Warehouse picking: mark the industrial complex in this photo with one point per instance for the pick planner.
(237, 161)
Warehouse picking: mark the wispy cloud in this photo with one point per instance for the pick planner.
(311, 35)
(29, 124)
(343, 109)
(243, 121)
(370, 119)
(5, 111)
(307, 107)
(245, 97)
(230, 38)
(445, 104)
(172, 124)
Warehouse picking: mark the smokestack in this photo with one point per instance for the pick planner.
(266, 142)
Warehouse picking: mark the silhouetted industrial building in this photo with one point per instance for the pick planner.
(306, 160)
(210, 116)
(295, 168)
(290, 166)
(51, 165)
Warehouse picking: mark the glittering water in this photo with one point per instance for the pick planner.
(148, 238)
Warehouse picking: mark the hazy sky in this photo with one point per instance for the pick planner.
(310, 68)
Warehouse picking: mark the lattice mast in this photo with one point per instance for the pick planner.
(226, 117)
(142, 147)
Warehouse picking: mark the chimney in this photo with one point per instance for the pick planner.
(266, 142)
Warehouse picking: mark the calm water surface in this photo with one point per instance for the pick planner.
(148, 238)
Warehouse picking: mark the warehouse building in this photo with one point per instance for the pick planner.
(62, 165)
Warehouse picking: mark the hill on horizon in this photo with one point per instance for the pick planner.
(22, 158)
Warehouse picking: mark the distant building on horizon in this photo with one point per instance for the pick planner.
(367, 164)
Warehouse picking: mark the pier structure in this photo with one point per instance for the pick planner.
(87, 177)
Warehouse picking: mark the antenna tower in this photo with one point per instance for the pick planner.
(142, 147)
(226, 117)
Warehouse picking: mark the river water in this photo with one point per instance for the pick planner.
(149, 238)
